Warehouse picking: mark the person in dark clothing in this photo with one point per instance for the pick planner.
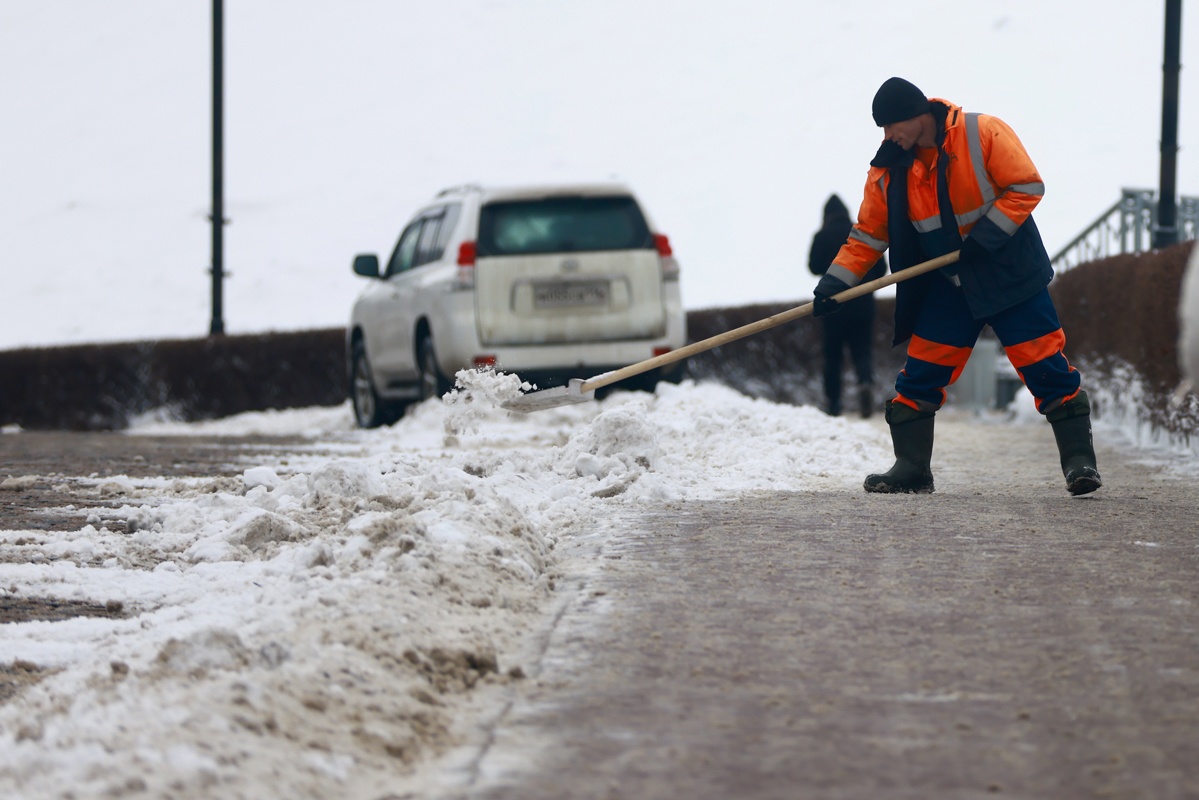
(853, 327)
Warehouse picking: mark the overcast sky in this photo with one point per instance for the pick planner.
(734, 121)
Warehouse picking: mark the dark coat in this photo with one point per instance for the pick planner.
(826, 243)
(1009, 276)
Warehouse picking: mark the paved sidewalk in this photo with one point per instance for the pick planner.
(996, 639)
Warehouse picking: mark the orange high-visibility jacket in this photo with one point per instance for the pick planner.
(993, 187)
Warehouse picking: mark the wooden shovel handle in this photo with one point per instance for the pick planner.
(618, 375)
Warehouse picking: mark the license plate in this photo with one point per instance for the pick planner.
(570, 295)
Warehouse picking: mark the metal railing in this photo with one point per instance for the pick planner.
(1126, 227)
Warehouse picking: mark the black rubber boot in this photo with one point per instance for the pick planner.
(1072, 428)
(912, 436)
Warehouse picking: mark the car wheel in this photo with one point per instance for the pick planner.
(432, 382)
(370, 410)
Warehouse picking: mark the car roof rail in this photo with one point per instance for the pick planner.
(461, 188)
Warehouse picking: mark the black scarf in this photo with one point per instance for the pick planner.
(907, 248)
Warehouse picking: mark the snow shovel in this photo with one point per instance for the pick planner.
(579, 390)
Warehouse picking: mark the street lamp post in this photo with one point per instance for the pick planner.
(1166, 231)
(218, 212)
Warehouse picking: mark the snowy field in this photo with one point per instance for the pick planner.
(312, 628)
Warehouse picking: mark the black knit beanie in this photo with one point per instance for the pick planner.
(897, 100)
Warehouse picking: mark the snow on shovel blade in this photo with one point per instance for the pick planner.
(550, 398)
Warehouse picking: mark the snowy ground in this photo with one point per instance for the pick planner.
(313, 626)
(311, 629)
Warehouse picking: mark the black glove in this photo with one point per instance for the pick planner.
(824, 304)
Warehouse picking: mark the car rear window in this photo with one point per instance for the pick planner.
(562, 225)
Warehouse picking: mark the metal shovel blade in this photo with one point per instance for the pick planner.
(550, 398)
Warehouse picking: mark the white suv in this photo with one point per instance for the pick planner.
(548, 282)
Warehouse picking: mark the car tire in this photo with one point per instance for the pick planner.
(673, 373)
(432, 382)
(370, 410)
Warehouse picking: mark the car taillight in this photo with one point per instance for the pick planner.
(466, 266)
(466, 254)
(670, 266)
(485, 361)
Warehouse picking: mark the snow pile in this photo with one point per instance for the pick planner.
(314, 624)
(475, 392)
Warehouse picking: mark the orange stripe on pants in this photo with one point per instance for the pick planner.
(943, 355)
(1030, 352)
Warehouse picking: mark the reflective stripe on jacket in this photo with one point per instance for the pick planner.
(993, 187)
